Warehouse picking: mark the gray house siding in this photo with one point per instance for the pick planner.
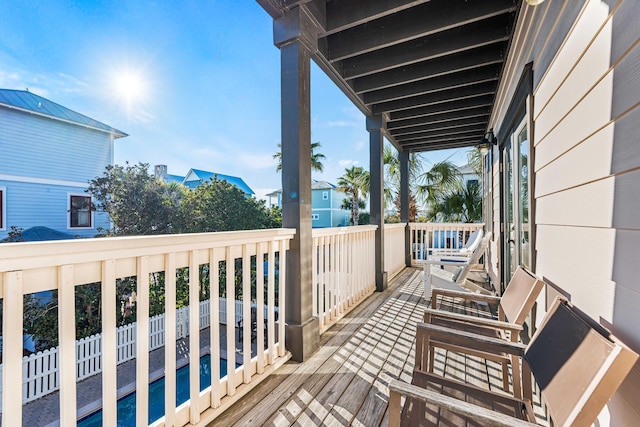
(43, 162)
(584, 113)
(45, 148)
(30, 205)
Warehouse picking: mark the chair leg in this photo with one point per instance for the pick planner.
(505, 375)
(517, 383)
(432, 354)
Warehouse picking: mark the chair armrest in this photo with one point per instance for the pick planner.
(470, 340)
(463, 295)
(485, 416)
(483, 321)
(455, 261)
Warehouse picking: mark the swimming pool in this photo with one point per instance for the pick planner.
(127, 404)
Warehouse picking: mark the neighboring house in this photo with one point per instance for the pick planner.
(468, 175)
(49, 153)
(195, 177)
(326, 205)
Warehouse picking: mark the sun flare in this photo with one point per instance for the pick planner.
(130, 86)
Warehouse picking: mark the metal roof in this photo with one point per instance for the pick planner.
(30, 102)
(206, 175)
(431, 68)
(315, 185)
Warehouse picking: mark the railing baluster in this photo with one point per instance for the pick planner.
(109, 344)
(283, 245)
(194, 338)
(12, 347)
(214, 330)
(271, 302)
(247, 322)
(170, 339)
(261, 248)
(231, 329)
(142, 342)
(67, 340)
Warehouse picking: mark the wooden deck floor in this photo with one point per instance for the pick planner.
(345, 382)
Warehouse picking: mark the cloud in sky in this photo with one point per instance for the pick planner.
(342, 123)
(256, 161)
(346, 163)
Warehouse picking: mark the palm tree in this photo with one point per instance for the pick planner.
(463, 204)
(427, 186)
(355, 183)
(316, 158)
(437, 182)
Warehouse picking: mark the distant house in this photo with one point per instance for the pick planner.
(49, 153)
(195, 177)
(326, 205)
(468, 175)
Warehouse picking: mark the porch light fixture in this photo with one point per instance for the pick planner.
(487, 141)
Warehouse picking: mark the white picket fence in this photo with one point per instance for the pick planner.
(40, 370)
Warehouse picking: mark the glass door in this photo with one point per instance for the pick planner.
(516, 185)
(508, 227)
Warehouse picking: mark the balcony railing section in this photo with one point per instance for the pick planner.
(248, 264)
(343, 271)
(394, 237)
(427, 236)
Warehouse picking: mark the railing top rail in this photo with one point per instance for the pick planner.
(395, 225)
(317, 232)
(22, 255)
(447, 224)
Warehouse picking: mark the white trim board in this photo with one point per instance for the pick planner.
(45, 181)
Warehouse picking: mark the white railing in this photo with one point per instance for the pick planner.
(343, 270)
(426, 236)
(40, 370)
(27, 268)
(394, 236)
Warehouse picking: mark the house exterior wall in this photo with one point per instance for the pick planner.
(326, 209)
(586, 163)
(43, 161)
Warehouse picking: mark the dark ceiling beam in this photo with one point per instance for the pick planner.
(443, 65)
(466, 92)
(443, 108)
(345, 14)
(462, 134)
(446, 82)
(278, 8)
(419, 21)
(477, 34)
(449, 117)
(429, 127)
(441, 145)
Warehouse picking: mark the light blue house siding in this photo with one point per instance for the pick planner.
(326, 205)
(47, 157)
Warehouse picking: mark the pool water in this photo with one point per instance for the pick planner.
(127, 404)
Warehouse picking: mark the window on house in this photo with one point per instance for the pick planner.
(325, 195)
(80, 212)
(2, 208)
(315, 217)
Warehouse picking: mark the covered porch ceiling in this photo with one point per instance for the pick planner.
(430, 68)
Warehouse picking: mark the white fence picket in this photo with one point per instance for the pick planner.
(40, 370)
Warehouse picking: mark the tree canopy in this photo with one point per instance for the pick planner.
(316, 158)
(355, 183)
(140, 204)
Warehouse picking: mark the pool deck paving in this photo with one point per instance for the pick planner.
(45, 412)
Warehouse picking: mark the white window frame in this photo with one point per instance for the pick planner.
(315, 217)
(3, 208)
(325, 195)
(91, 213)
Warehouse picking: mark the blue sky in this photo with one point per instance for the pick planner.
(204, 83)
